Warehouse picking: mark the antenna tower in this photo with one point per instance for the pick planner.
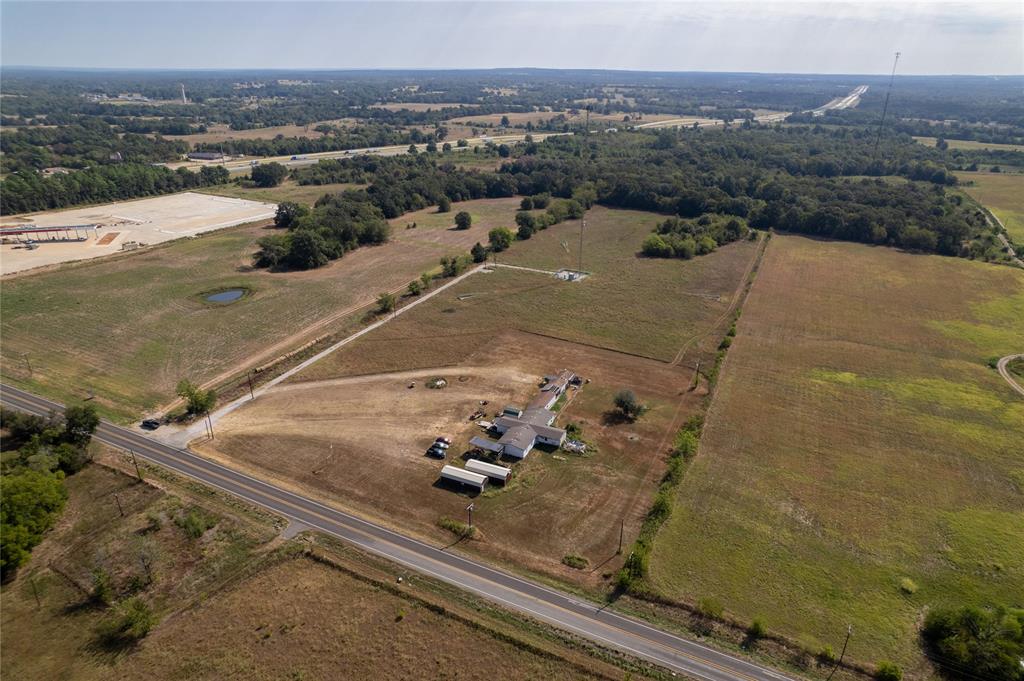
(885, 107)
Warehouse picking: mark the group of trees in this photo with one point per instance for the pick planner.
(976, 643)
(29, 191)
(38, 453)
(336, 139)
(337, 223)
(685, 238)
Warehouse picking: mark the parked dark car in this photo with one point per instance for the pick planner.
(150, 424)
(436, 452)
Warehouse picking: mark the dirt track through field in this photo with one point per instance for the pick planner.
(1005, 373)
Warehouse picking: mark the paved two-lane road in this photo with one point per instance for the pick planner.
(570, 613)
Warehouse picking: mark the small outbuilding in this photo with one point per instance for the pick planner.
(491, 470)
(464, 477)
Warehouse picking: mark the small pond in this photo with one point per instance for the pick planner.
(228, 296)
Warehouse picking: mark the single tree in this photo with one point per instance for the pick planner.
(504, 121)
(444, 204)
(426, 278)
(80, 422)
(268, 174)
(463, 220)
(415, 287)
(197, 400)
(479, 252)
(500, 238)
(627, 403)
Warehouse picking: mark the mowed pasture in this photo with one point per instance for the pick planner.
(220, 132)
(350, 428)
(971, 144)
(126, 330)
(288, 190)
(1001, 193)
(858, 439)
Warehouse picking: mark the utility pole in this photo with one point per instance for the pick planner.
(252, 395)
(209, 424)
(138, 473)
(119, 509)
(622, 529)
(849, 629)
(469, 509)
(28, 363)
(885, 107)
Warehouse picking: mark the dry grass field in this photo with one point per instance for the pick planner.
(535, 117)
(858, 439)
(286, 191)
(128, 329)
(220, 132)
(1001, 193)
(420, 106)
(971, 144)
(350, 430)
(339, 616)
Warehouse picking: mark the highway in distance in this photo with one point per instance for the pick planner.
(570, 613)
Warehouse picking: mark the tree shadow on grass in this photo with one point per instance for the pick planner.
(614, 417)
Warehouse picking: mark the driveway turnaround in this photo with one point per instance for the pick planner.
(581, 617)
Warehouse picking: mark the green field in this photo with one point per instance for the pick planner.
(644, 306)
(858, 438)
(287, 191)
(1001, 193)
(971, 144)
(127, 329)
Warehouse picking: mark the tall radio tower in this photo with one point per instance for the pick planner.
(183, 99)
(885, 107)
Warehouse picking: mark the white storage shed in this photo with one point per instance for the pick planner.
(464, 477)
(491, 470)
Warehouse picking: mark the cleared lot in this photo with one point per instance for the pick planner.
(858, 439)
(147, 221)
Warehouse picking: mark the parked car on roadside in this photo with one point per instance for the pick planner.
(150, 424)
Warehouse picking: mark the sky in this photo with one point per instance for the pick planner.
(939, 37)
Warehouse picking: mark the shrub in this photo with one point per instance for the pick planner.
(459, 529)
(478, 252)
(463, 220)
(386, 303)
(575, 562)
(757, 628)
(415, 287)
(709, 608)
(908, 586)
(102, 589)
(130, 621)
(195, 523)
(827, 655)
(444, 204)
(888, 671)
(526, 203)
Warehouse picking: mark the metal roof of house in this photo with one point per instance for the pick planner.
(521, 437)
(535, 429)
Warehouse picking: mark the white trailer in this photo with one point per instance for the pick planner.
(464, 477)
(491, 470)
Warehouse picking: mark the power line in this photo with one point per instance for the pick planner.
(885, 107)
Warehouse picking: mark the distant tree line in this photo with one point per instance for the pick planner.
(337, 139)
(88, 143)
(29, 191)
